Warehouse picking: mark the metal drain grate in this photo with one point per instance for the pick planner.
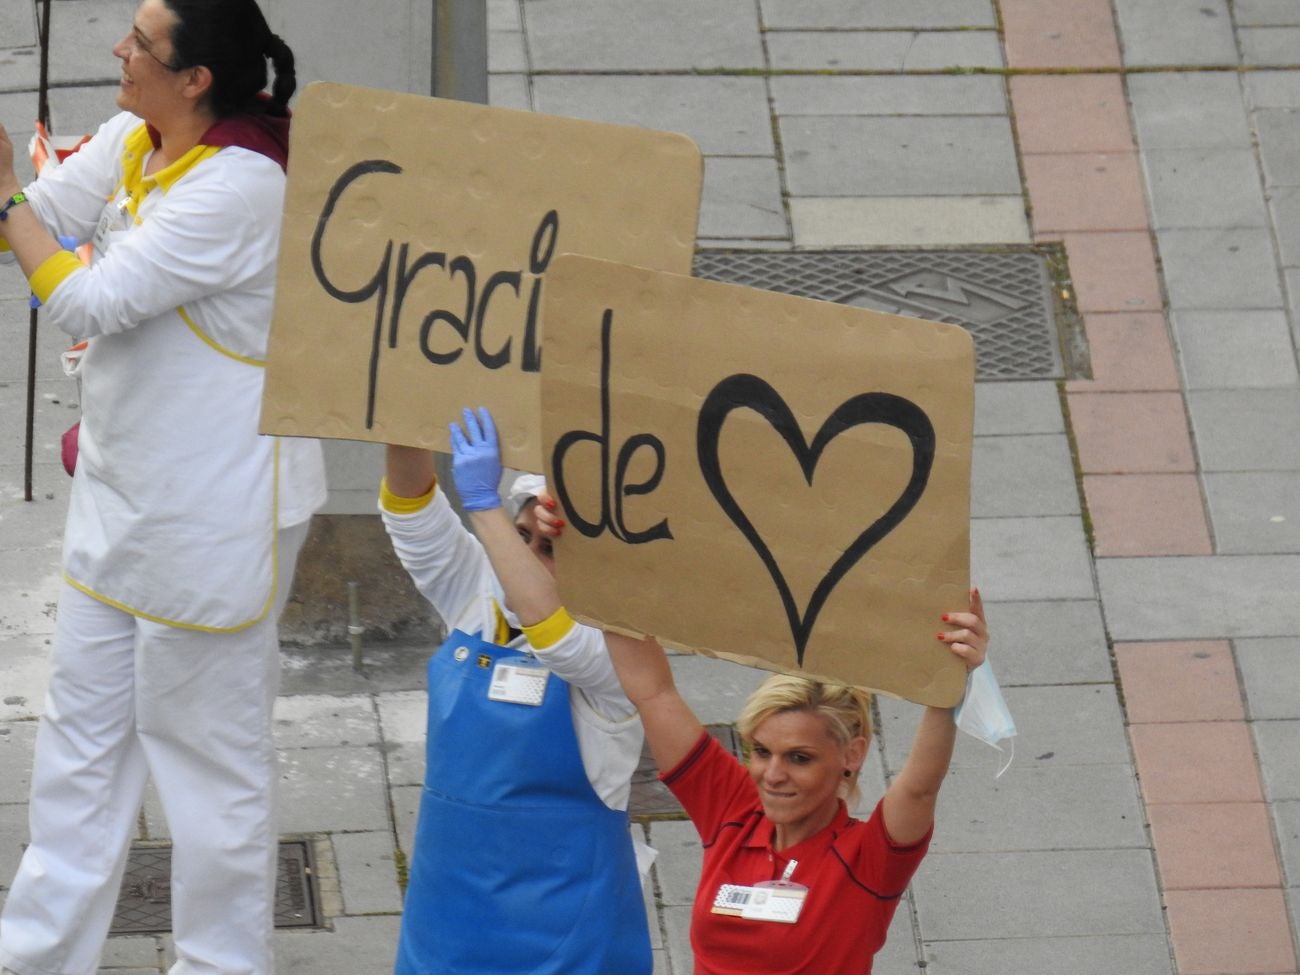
(650, 797)
(1003, 298)
(144, 902)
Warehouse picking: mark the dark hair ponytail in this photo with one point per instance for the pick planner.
(232, 39)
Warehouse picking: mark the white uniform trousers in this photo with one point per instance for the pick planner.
(129, 699)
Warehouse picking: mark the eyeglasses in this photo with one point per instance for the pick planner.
(138, 42)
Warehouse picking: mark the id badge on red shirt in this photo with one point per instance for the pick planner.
(772, 900)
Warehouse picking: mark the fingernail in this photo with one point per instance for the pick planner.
(559, 522)
(550, 504)
(944, 617)
(938, 636)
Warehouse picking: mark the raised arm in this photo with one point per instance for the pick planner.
(529, 587)
(909, 802)
(671, 727)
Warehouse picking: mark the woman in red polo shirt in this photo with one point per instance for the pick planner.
(791, 884)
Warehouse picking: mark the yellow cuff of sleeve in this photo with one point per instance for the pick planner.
(551, 630)
(403, 506)
(4, 246)
(52, 272)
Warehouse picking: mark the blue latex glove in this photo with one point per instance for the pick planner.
(476, 461)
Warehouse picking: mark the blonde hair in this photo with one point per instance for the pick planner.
(845, 710)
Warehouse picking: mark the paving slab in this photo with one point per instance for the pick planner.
(35, 524)
(57, 407)
(1284, 208)
(896, 50)
(1133, 954)
(1247, 429)
(1278, 743)
(14, 836)
(18, 26)
(403, 719)
(17, 739)
(1270, 672)
(879, 14)
(507, 52)
(742, 198)
(1251, 13)
(1156, 33)
(1273, 89)
(405, 801)
(1204, 187)
(1027, 475)
(1278, 130)
(1286, 818)
(677, 868)
(510, 91)
(1062, 893)
(1038, 808)
(1246, 932)
(1200, 597)
(135, 953)
(1178, 682)
(931, 156)
(683, 35)
(325, 790)
(727, 116)
(1239, 833)
(1059, 34)
(1085, 192)
(1050, 642)
(1019, 559)
(908, 221)
(1255, 511)
(1147, 514)
(1269, 45)
(26, 664)
(915, 96)
(354, 946)
(1114, 271)
(323, 720)
(715, 689)
(368, 872)
(1010, 408)
(29, 590)
(1235, 349)
(82, 35)
(1071, 113)
(1219, 268)
(1047, 720)
(1193, 109)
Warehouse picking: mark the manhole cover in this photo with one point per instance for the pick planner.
(650, 797)
(1003, 298)
(144, 903)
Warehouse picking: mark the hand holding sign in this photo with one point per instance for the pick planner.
(811, 518)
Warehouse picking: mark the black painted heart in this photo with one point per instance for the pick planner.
(743, 391)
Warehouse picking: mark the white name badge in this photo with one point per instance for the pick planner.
(517, 683)
(777, 901)
(115, 218)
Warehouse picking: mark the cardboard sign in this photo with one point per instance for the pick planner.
(417, 235)
(774, 480)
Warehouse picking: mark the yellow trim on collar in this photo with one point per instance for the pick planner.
(54, 270)
(180, 310)
(396, 505)
(135, 150)
(551, 630)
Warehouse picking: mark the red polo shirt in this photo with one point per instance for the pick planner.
(854, 874)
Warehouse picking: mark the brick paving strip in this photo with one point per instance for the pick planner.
(1222, 883)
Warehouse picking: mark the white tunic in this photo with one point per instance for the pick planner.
(176, 498)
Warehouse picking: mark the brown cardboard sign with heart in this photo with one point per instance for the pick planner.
(416, 240)
(770, 479)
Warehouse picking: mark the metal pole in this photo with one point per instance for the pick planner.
(42, 113)
(460, 50)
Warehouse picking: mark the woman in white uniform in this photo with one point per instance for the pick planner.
(184, 524)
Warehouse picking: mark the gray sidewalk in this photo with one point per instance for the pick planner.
(848, 124)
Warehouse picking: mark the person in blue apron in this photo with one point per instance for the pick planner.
(522, 861)
(183, 523)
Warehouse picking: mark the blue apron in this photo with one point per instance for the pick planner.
(518, 866)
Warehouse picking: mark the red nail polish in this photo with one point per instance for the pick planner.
(944, 617)
(550, 504)
(938, 636)
(559, 522)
